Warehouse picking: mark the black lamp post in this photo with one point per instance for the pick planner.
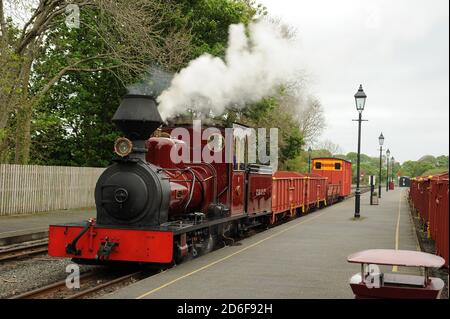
(388, 153)
(392, 168)
(309, 159)
(381, 141)
(360, 100)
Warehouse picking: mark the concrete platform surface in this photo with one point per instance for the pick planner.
(304, 258)
(15, 229)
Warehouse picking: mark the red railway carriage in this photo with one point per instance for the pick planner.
(420, 190)
(429, 198)
(436, 192)
(338, 171)
(439, 215)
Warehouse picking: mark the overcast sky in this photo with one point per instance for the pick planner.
(397, 49)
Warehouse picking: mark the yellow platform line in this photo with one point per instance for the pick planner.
(397, 229)
(226, 257)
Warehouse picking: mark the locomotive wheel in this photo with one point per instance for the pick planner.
(177, 257)
(208, 245)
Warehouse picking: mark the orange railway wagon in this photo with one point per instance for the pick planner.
(288, 194)
(316, 192)
(338, 171)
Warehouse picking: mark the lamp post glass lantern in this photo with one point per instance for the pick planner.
(360, 101)
(388, 153)
(381, 141)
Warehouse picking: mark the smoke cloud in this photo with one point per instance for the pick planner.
(154, 82)
(256, 63)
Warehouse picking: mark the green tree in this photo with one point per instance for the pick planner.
(369, 166)
(128, 35)
(209, 21)
(415, 168)
(270, 113)
(426, 165)
(442, 161)
(77, 130)
(429, 159)
(72, 123)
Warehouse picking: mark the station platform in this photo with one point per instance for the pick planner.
(20, 228)
(303, 258)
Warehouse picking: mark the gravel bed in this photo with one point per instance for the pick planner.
(23, 275)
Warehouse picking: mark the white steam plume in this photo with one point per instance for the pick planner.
(253, 68)
(153, 82)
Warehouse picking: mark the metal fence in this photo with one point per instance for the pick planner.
(27, 189)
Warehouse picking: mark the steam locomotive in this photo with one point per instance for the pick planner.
(153, 209)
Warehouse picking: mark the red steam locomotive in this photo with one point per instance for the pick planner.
(153, 209)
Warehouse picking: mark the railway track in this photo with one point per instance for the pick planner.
(24, 250)
(90, 284)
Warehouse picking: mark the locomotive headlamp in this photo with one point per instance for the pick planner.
(360, 99)
(123, 146)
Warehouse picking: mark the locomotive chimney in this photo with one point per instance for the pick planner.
(137, 117)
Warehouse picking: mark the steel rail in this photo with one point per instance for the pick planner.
(35, 293)
(92, 290)
(28, 250)
(51, 291)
